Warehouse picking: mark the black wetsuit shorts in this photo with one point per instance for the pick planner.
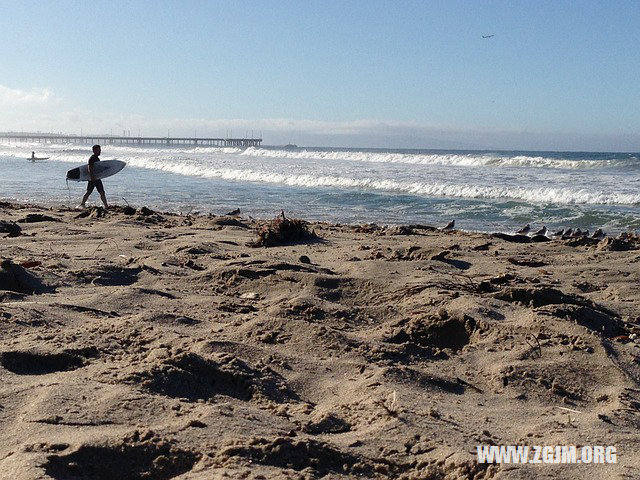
(97, 184)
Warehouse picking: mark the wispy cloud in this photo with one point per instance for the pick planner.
(15, 97)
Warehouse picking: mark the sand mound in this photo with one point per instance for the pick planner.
(435, 331)
(111, 275)
(132, 459)
(575, 307)
(18, 279)
(194, 377)
(326, 423)
(32, 363)
(37, 217)
(315, 457)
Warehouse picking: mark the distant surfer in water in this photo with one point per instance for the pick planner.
(94, 183)
(33, 156)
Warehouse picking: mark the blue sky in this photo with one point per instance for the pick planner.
(418, 74)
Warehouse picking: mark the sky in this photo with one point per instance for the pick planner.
(555, 75)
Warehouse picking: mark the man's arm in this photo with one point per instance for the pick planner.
(91, 173)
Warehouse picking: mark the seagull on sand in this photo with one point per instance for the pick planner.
(524, 230)
(598, 234)
(450, 225)
(559, 233)
(542, 231)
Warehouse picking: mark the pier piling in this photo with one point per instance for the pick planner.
(125, 140)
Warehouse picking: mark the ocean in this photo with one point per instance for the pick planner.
(481, 190)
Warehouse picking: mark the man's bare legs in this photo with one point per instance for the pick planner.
(84, 199)
(103, 197)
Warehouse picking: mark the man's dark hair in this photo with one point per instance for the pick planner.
(95, 148)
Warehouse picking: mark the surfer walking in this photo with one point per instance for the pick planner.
(94, 182)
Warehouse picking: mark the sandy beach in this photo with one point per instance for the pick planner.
(144, 345)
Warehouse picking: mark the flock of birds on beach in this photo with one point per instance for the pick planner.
(599, 234)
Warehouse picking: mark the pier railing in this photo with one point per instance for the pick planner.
(117, 140)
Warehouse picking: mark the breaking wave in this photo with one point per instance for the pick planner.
(534, 160)
(436, 189)
(447, 159)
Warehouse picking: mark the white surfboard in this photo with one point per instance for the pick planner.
(101, 169)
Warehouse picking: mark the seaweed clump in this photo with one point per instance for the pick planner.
(282, 230)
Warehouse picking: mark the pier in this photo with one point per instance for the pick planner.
(125, 140)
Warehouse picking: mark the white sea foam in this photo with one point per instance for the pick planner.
(470, 159)
(450, 159)
(435, 189)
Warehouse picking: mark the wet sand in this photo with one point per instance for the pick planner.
(144, 345)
